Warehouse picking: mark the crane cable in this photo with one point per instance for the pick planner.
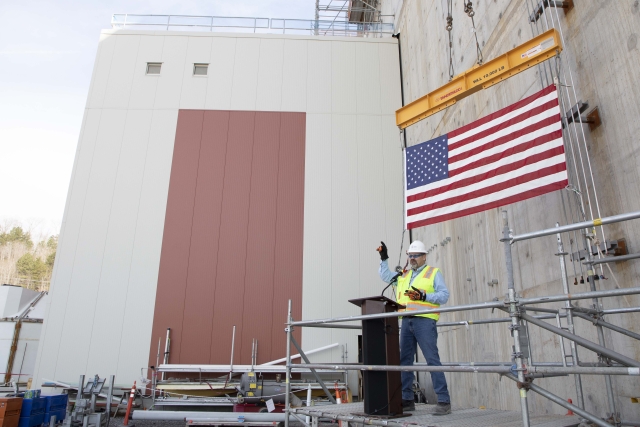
(468, 9)
(449, 27)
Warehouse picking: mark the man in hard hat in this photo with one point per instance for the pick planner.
(419, 288)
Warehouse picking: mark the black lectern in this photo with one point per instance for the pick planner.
(380, 346)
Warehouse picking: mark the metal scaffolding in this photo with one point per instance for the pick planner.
(364, 14)
(348, 11)
(523, 371)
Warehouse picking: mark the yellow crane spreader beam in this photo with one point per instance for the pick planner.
(518, 59)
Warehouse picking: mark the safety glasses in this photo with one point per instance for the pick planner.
(414, 256)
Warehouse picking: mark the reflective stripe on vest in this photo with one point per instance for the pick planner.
(425, 281)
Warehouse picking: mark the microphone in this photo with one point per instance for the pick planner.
(399, 272)
(393, 279)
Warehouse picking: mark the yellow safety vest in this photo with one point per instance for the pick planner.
(424, 282)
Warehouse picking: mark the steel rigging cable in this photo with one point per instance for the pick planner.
(468, 9)
(449, 27)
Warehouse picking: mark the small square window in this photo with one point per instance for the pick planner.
(200, 69)
(153, 67)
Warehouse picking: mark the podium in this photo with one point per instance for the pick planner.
(380, 346)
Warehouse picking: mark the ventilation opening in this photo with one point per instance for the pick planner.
(153, 67)
(200, 69)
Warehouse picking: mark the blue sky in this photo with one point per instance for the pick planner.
(47, 51)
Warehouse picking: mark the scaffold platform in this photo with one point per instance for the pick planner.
(423, 416)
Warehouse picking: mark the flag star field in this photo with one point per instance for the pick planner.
(427, 162)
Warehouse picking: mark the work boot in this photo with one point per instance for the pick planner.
(443, 408)
(408, 405)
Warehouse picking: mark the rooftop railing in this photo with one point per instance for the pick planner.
(252, 24)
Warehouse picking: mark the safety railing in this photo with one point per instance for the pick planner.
(187, 22)
(251, 24)
(523, 370)
(331, 28)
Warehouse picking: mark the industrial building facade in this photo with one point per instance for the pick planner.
(201, 200)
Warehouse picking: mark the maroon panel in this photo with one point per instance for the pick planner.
(174, 259)
(198, 314)
(289, 229)
(261, 241)
(232, 255)
(233, 239)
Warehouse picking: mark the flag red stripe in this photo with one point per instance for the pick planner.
(502, 112)
(518, 119)
(489, 174)
(495, 204)
(508, 152)
(549, 170)
(504, 139)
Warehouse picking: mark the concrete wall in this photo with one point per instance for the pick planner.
(603, 55)
(106, 271)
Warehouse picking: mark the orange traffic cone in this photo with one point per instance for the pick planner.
(338, 399)
(570, 412)
(132, 396)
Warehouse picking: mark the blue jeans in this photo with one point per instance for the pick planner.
(421, 330)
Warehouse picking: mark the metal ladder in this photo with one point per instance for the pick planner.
(565, 356)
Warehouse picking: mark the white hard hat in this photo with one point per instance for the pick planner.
(417, 247)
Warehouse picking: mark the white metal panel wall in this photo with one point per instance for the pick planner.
(109, 250)
(354, 172)
(60, 285)
(110, 247)
(317, 266)
(101, 72)
(26, 349)
(135, 337)
(294, 73)
(194, 88)
(169, 89)
(318, 77)
(270, 80)
(121, 228)
(345, 239)
(121, 73)
(368, 83)
(143, 92)
(88, 263)
(343, 77)
(245, 74)
(6, 337)
(220, 82)
(10, 297)
(371, 202)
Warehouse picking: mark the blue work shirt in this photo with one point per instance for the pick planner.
(441, 294)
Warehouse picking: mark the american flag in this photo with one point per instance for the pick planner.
(511, 155)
